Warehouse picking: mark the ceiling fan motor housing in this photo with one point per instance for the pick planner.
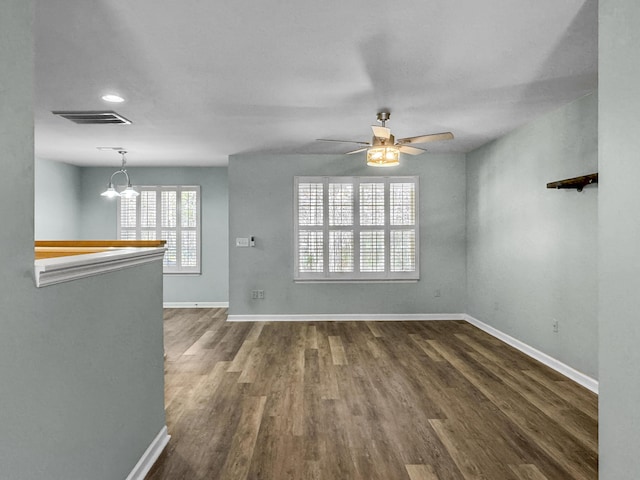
(383, 117)
(383, 142)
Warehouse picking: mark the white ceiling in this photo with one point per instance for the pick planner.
(206, 79)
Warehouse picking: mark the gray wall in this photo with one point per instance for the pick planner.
(80, 364)
(86, 377)
(532, 251)
(261, 204)
(57, 200)
(98, 221)
(619, 252)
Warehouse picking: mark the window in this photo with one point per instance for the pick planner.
(165, 213)
(356, 228)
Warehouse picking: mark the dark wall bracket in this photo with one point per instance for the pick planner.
(577, 182)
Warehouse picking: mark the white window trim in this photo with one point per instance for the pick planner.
(171, 270)
(356, 276)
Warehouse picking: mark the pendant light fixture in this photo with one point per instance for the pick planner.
(128, 191)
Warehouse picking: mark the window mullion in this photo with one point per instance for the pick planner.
(325, 227)
(387, 228)
(179, 227)
(356, 226)
(296, 225)
(196, 230)
(119, 220)
(138, 227)
(158, 213)
(416, 223)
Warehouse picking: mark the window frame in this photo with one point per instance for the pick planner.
(356, 276)
(158, 189)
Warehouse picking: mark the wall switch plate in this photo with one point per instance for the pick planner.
(242, 242)
(556, 326)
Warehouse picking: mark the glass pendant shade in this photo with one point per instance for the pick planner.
(383, 156)
(110, 192)
(129, 192)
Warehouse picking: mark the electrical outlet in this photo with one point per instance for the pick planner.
(261, 294)
(437, 293)
(556, 326)
(257, 294)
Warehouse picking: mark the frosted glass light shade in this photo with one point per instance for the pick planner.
(110, 192)
(383, 156)
(129, 192)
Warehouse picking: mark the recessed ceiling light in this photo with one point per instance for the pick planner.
(113, 98)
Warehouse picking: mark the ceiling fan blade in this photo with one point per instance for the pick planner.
(356, 151)
(427, 138)
(411, 150)
(342, 141)
(381, 132)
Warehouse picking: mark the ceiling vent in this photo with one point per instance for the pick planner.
(104, 117)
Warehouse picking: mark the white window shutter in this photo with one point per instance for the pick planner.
(356, 228)
(167, 213)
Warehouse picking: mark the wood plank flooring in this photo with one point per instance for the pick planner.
(365, 400)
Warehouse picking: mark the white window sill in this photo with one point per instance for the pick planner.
(354, 280)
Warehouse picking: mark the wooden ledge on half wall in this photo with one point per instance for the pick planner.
(66, 248)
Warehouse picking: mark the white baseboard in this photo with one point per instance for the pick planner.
(195, 305)
(578, 377)
(374, 317)
(150, 456)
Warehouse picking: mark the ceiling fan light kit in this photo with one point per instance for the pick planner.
(384, 150)
(383, 157)
(382, 154)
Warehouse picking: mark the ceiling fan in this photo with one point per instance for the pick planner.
(384, 150)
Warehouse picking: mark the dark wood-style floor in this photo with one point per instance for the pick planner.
(365, 400)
